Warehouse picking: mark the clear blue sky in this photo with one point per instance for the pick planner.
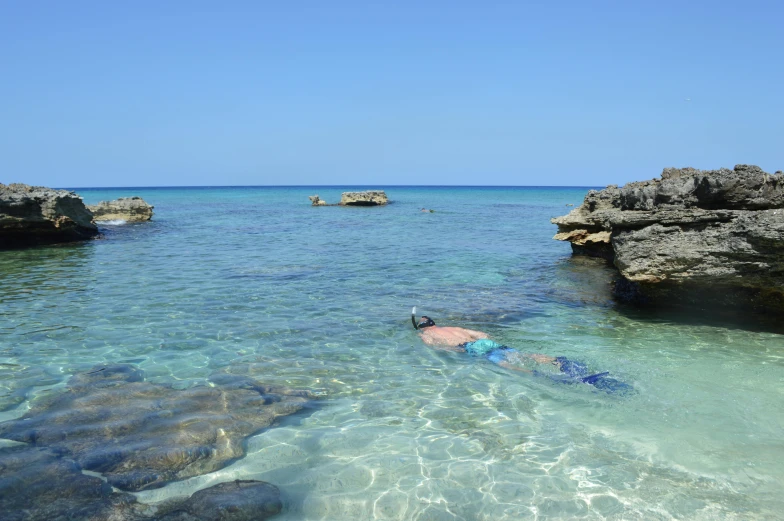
(582, 93)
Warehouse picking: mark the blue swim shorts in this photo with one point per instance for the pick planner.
(490, 349)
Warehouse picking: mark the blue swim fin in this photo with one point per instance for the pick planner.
(607, 384)
(571, 367)
(573, 372)
(594, 378)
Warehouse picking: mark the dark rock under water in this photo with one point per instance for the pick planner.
(137, 435)
(40, 485)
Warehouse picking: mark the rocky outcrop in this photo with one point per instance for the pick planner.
(36, 215)
(315, 200)
(368, 198)
(129, 209)
(134, 435)
(692, 237)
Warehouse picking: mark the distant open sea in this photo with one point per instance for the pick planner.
(319, 299)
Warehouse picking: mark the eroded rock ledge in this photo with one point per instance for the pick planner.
(692, 237)
(32, 215)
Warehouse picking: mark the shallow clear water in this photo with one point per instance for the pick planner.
(256, 280)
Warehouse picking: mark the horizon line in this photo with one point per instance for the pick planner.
(321, 186)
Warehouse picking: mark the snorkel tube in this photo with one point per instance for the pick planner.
(413, 318)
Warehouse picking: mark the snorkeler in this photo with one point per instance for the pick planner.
(477, 343)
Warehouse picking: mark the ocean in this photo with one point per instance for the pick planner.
(255, 280)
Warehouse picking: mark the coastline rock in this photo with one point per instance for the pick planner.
(368, 198)
(693, 238)
(129, 209)
(317, 201)
(140, 435)
(32, 215)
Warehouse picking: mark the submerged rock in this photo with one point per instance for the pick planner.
(141, 435)
(130, 209)
(32, 215)
(241, 500)
(39, 485)
(138, 435)
(368, 198)
(694, 238)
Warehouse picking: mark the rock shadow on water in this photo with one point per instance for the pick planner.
(738, 317)
(582, 281)
(53, 267)
(138, 435)
(591, 281)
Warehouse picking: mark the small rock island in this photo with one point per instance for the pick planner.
(692, 238)
(129, 209)
(366, 198)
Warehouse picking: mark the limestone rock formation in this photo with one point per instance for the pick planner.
(692, 237)
(36, 215)
(140, 435)
(317, 201)
(368, 198)
(129, 209)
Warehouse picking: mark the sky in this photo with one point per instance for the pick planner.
(572, 93)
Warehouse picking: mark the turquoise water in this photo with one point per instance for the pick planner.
(257, 281)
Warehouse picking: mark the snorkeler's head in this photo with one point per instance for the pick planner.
(425, 321)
